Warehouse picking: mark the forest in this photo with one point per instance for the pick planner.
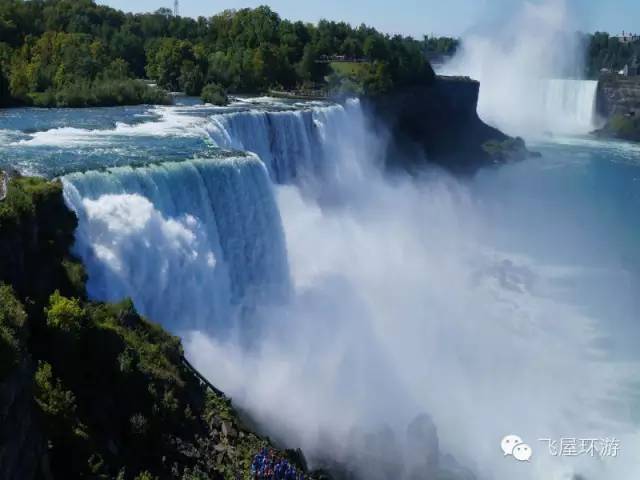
(607, 52)
(78, 53)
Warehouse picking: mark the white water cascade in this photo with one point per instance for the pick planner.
(569, 105)
(189, 242)
(307, 146)
(534, 107)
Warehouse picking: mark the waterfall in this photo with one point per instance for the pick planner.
(195, 242)
(570, 105)
(189, 242)
(307, 146)
(532, 106)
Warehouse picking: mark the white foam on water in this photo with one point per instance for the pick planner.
(170, 123)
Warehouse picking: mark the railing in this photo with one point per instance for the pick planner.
(340, 59)
(4, 185)
(300, 94)
(200, 377)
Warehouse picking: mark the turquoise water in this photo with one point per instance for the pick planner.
(577, 205)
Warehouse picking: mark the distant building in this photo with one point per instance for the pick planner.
(628, 37)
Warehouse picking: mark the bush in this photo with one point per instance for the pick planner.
(101, 93)
(65, 314)
(213, 93)
(625, 127)
(12, 331)
(57, 404)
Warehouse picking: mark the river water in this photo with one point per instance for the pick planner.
(331, 299)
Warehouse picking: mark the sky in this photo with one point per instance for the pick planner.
(409, 17)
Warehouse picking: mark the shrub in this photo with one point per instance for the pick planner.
(625, 127)
(213, 93)
(64, 313)
(105, 92)
(57, 404)
(12, 331)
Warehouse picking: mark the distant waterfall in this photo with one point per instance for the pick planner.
(188, 241)
(570, 105)
(532, 107)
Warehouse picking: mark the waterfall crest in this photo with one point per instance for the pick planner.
(306, 147)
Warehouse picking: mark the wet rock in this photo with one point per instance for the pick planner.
(228, 430)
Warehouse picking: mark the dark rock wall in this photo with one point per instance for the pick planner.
(439, 121)
(22, 444)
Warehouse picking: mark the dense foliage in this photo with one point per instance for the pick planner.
(439, 48)
(609, 53)
(214, 94)
(111, 393)
(59, 52)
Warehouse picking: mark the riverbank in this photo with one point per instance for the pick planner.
(108, 93)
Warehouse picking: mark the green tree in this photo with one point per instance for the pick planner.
(165, 59)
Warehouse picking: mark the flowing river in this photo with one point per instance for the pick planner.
(330, 298)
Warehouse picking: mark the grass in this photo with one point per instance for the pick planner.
(349, 69)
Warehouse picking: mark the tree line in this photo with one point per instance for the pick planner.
(67, 52)
(609, 53)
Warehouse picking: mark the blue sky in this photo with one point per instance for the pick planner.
(414, 17)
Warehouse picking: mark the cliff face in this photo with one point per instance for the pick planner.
(36, 234)
(618, 95)
(22, 443)
(618, 102)
(441, 122)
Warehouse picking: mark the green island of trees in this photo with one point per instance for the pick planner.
(77, 53)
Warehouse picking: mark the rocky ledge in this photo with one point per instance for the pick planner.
(439, 124)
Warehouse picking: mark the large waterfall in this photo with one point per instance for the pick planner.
(533, 107)
(569, 105)
(188, 241)
(337, 304)
(198, 242)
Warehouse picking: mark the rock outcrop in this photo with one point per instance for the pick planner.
(4, 182)
(618, 95)
(439, 124)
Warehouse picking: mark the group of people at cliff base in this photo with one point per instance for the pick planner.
(267, 465)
